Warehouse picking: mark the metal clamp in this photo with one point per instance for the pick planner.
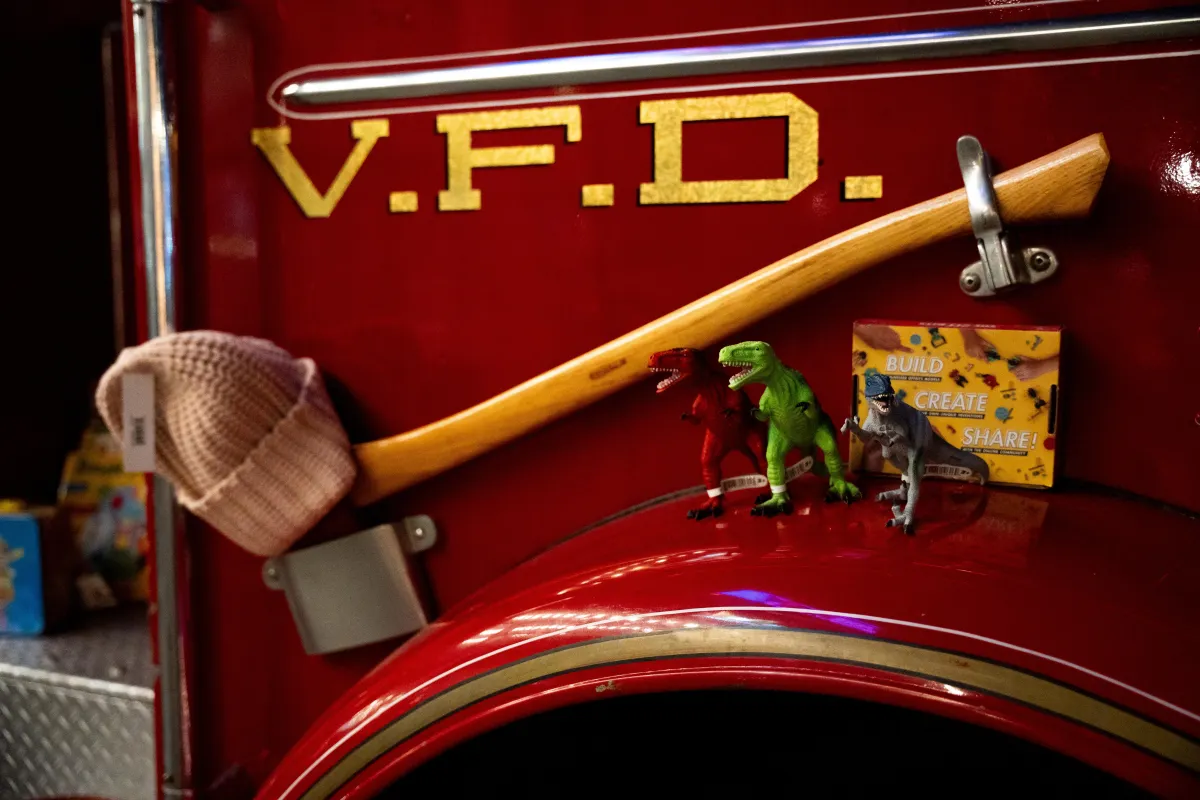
(354, 590)
(1001, 266)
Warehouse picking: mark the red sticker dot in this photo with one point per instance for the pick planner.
(1048, 443)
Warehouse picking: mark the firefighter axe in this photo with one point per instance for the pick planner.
(1059, 185)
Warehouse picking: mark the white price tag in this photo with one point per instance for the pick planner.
(137, 419)
(950, 471)
(801, 467)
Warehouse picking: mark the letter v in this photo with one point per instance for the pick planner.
(274, 144)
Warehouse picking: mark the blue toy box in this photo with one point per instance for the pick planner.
(37, 565)
(22, 609)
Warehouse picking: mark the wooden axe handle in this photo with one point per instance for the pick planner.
(1059, 185)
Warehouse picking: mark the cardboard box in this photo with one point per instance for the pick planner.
(37, 563)
(989, 390)
(106, 509)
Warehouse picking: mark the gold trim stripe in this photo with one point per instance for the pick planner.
(953, 668)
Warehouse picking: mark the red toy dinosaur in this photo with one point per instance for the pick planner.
(725, 414)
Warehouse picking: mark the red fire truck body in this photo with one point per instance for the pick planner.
(652, 602)
(565, 573)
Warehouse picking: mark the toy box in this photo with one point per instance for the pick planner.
(106, 507)
(36, 564)
(989, 390)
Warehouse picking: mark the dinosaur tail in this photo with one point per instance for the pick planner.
(942, 452)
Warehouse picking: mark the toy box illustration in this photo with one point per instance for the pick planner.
(988, 390)
(21, 608)
(107, 512)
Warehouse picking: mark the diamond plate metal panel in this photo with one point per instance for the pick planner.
(77, 713)
(59, 741)
(113, 647)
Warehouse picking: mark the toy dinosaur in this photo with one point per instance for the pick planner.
(909, 443)
(795, 421)
(725, 413)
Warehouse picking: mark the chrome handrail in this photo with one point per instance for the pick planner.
(158, 165)
(727, 59)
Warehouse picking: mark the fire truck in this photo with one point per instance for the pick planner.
(479, 217)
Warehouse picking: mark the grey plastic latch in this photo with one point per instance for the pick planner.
(355, 590)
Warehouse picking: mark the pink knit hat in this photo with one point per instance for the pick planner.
(245, 432)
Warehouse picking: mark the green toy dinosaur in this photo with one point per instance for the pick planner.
(795, 419)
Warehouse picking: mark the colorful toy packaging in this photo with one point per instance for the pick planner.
(106, 507)
(35, 571)
(988, 390)
(19, 542)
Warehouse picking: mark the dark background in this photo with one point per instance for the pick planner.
(57, 324)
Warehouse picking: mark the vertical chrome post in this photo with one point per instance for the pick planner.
(159, 207)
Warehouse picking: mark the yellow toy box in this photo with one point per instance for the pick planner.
(989, 390)
(106, 508)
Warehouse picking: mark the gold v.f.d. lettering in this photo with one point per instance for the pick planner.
(667, 186)
(275, 144)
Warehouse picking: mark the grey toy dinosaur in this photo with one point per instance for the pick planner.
(909, 443)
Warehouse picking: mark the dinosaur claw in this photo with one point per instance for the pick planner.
(713, 507)
(771, 510)
(903, 521)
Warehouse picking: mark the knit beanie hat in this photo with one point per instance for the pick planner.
(245, 432)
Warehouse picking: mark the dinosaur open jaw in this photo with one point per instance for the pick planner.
(747, 369)
(883, 403)
(667, 382)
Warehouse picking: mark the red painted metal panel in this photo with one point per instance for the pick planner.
(763, 675)
(414, 316)
(1049, 584)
